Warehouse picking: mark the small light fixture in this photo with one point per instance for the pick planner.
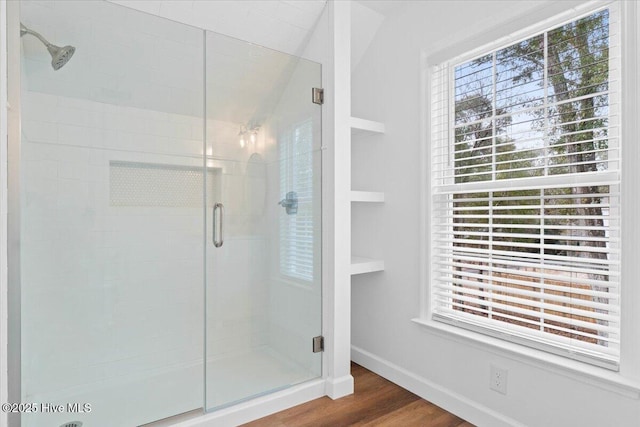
(251, 133)
(243, 136)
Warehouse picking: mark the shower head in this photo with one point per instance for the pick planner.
(59, 55)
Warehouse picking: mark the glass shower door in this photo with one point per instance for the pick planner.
(115, 255)
(263, 284)
(111, 211)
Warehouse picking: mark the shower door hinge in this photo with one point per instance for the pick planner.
(318, 344)
(317, 95)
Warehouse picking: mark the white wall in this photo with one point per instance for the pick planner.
(281, 25)
(122, 57)
(450, 371)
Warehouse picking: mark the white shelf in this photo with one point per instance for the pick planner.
(362, 126)
(360, 265)
(367, 196)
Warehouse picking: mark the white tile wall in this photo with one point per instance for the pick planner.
(150, 62)
(108, 293)
(111, 293)
(122, 57)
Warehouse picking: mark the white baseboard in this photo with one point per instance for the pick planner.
(259, 407)
(459, 405)
(339, 387)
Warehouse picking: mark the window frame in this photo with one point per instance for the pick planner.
(490, 41)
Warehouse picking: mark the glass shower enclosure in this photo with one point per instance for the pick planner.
(169, 217)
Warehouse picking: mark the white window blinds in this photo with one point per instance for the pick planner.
(526, 191)
(296, 175)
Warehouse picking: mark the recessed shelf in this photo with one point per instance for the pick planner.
(367, 196)
(362, 126)
(360, 265)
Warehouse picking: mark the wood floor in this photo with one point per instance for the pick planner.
(376, 402)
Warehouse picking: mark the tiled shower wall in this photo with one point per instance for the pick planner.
(110, 293)
(115, 293)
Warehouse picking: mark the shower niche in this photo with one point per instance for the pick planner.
(159, 274)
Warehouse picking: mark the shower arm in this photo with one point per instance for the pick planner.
(24, 30)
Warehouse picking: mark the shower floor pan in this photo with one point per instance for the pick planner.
(157, 395)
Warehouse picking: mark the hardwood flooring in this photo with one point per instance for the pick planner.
(376, 402)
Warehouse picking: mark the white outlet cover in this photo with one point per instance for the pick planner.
(498, 379)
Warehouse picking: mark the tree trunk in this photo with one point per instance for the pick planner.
(580, 155)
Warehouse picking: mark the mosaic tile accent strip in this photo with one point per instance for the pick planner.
(154, 184)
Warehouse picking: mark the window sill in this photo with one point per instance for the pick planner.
(578, 371)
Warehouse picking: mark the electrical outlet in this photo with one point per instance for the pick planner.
(498, 379)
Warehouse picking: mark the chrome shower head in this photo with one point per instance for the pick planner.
(59, 55)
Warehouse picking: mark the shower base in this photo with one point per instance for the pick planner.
(156, 395)
(244, 376)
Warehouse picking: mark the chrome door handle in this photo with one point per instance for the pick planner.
(218, 207)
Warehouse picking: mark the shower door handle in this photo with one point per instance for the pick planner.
(218, 207)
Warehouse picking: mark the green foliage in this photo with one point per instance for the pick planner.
(576, 66)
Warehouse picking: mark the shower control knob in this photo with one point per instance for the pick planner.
(290, 203)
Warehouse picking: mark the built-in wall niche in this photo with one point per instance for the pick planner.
(161, 185)
(365, 209)
(362, 215)
(367, 234)
(367, 161)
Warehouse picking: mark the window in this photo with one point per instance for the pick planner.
(525, 191)
(296, 179)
